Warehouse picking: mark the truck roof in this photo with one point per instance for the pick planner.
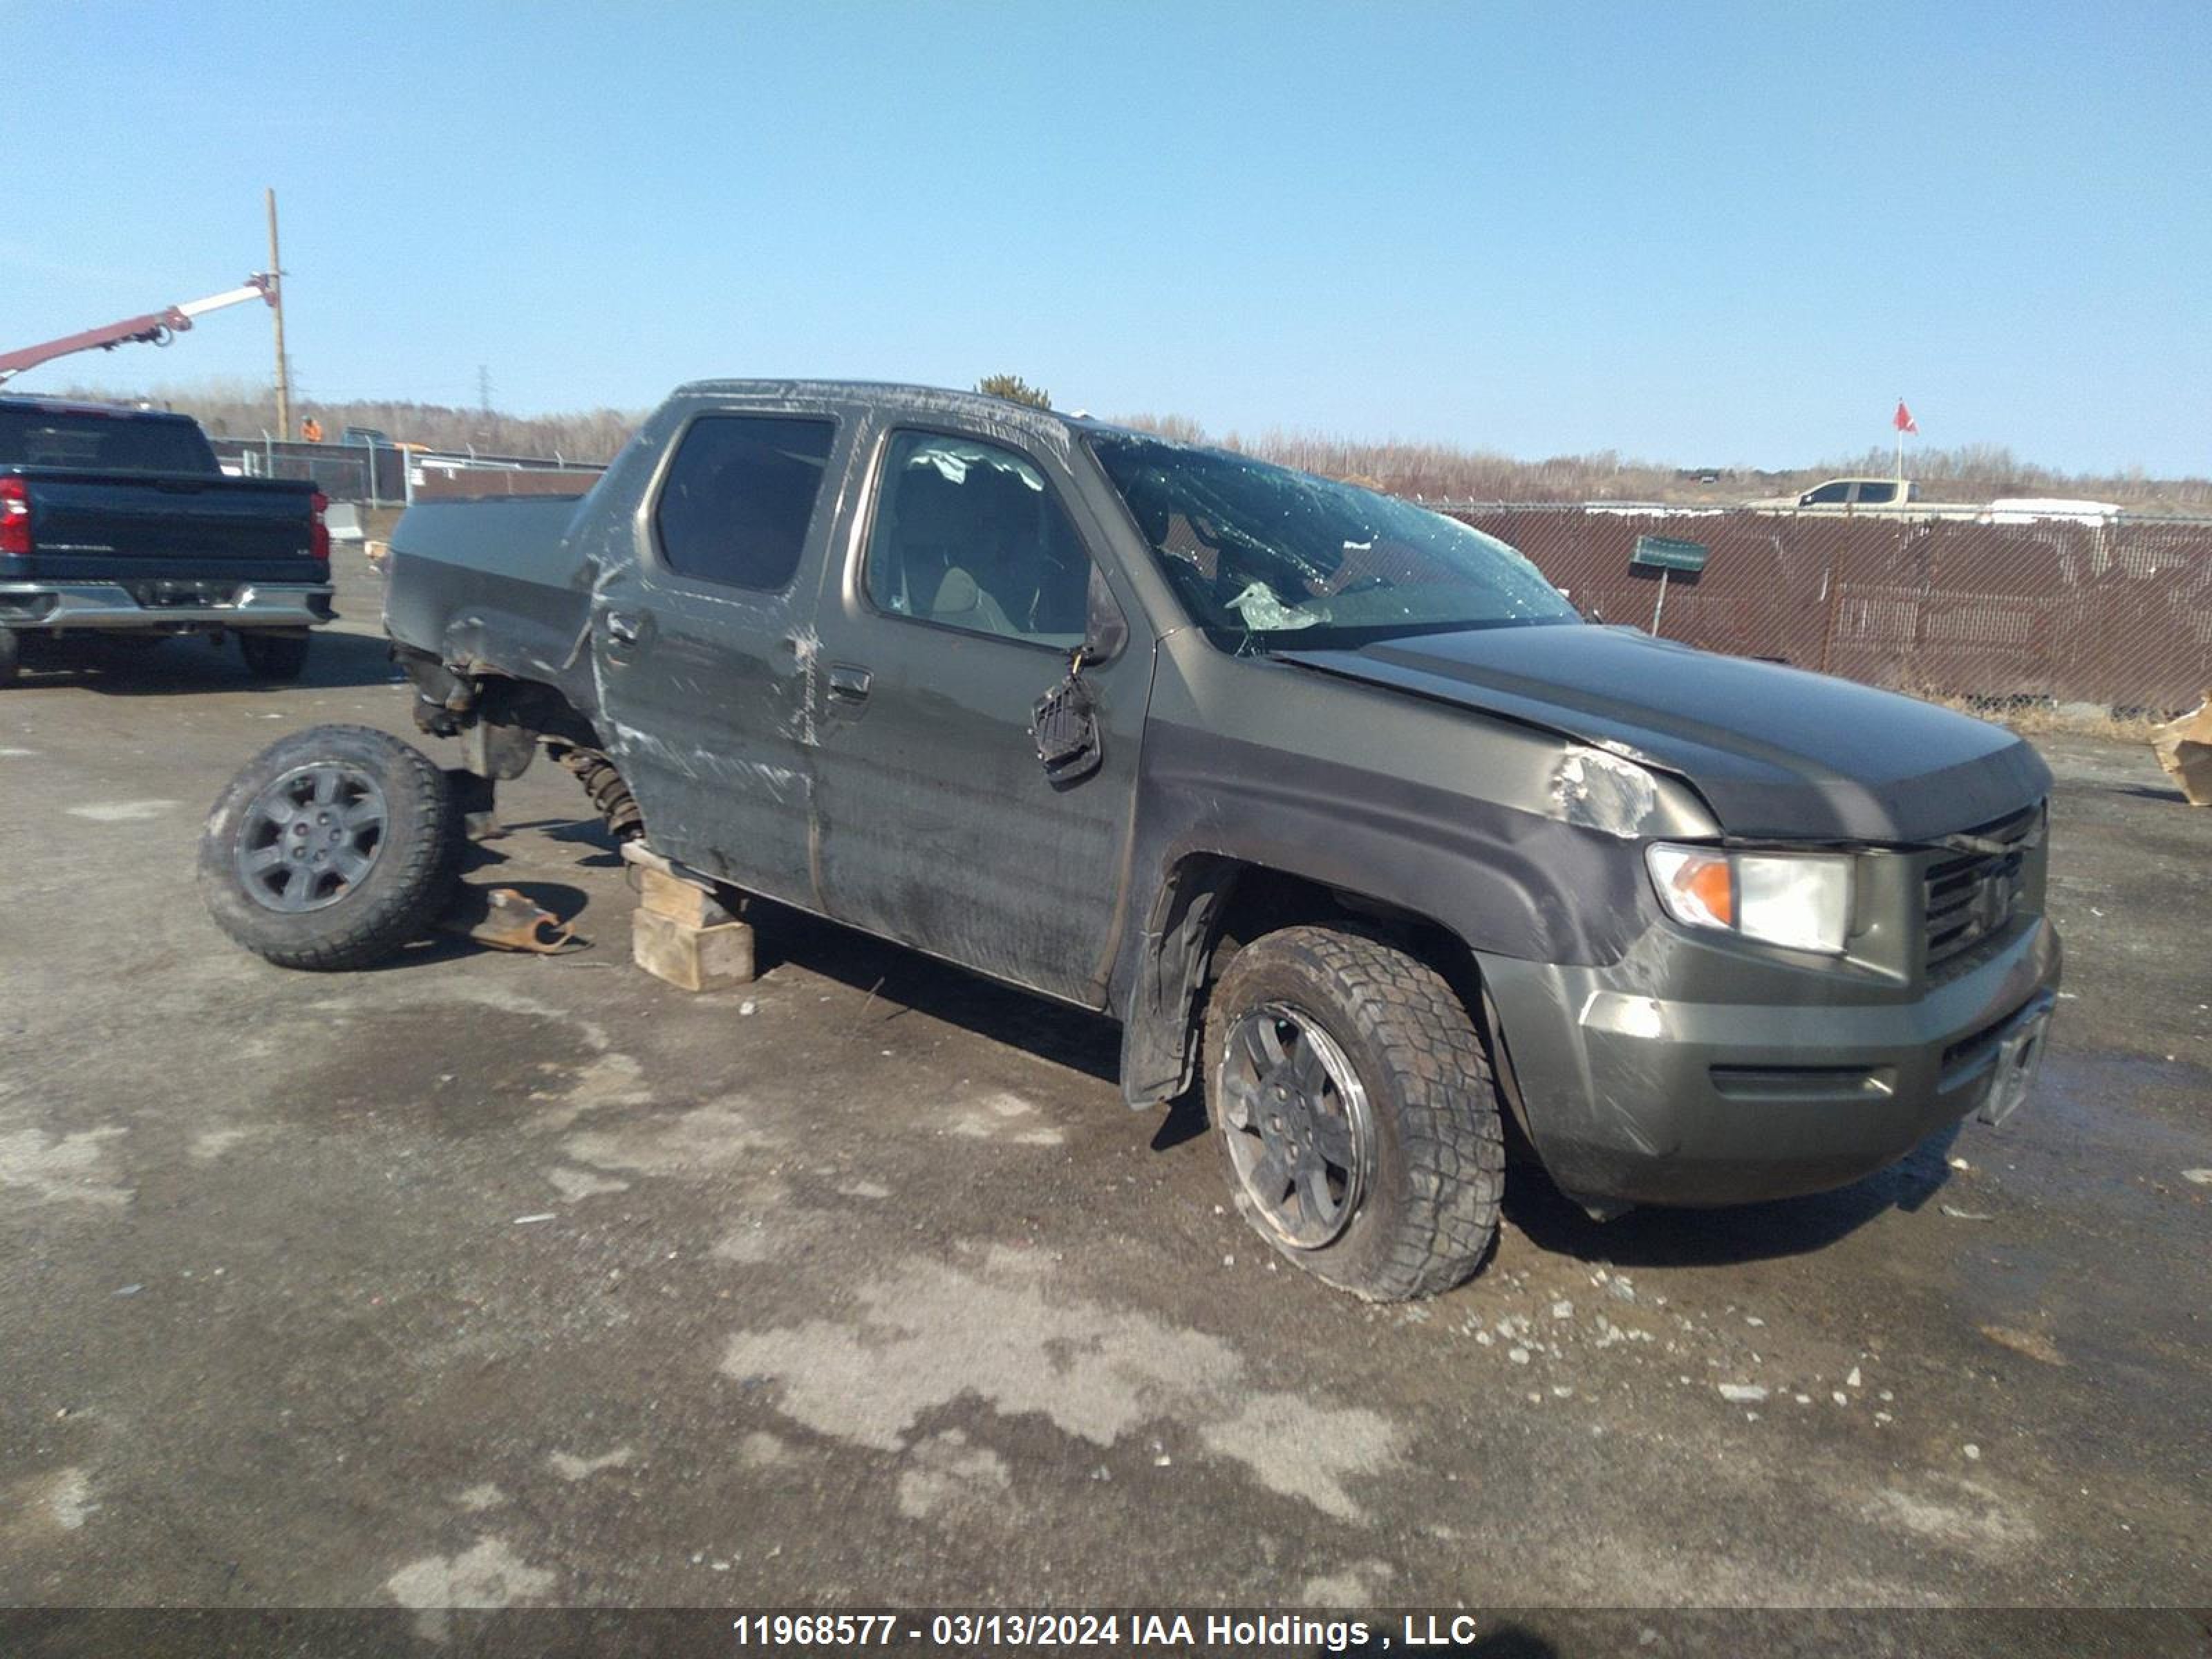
(81, 406)
(893, 395)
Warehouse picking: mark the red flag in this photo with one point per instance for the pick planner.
(1903, 420)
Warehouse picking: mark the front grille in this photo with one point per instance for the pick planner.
(1970, 896)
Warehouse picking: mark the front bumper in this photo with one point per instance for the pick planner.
(1786, 1087)
(166, 606)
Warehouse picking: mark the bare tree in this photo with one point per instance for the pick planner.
(1428, 471)
(241, 409)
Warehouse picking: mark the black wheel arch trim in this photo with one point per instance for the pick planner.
(1212, 809)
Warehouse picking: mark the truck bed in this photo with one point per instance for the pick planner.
(499, 584)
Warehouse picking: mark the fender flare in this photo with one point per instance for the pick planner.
(1500, 879)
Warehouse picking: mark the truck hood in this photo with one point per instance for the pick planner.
(1773, 750)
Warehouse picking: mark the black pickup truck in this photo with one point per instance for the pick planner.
(1334, 803)
(120, 522)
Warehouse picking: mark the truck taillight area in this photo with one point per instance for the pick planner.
(318, 536)
(14, 518)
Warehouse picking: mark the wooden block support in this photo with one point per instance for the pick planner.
(679, 900)
(710, 958)
(681, 932)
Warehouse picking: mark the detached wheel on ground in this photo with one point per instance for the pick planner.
(282, 657)
(333, 848)
(1354, 1108)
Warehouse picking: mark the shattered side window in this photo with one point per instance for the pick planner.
(739, 497)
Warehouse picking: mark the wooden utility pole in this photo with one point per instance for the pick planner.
(277, 310)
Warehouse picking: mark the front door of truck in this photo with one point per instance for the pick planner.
(703, 643)
(965, 595)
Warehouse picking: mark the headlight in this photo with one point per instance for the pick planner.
(1800, 900)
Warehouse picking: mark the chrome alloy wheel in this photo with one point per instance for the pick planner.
(1297, 1124)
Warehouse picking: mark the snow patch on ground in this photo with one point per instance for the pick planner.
(928, 1334)
(121, 811)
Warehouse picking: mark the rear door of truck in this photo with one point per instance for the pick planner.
(702, 636)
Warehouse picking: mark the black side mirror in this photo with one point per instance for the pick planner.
(1064, 725)
(1105, 629)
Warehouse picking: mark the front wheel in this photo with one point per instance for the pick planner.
(1354, 1108)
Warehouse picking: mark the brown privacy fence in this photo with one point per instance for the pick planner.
(2118, 614)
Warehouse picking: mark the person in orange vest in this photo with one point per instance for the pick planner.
(311, 430)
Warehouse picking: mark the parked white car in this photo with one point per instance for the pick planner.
(2029, 509)
(1847, 495)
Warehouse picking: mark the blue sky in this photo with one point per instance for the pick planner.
(1704, 233)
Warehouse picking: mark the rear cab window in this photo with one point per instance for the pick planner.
(93, 441)
(739, 497)
(970, 535)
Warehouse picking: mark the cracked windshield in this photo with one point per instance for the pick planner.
(1256, 552)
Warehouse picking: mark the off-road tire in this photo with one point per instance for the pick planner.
(279, 658)
(11, 655)
(406, 888)
(603, 782)
(1428, 1212)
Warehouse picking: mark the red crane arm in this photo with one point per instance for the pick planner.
(155, 328)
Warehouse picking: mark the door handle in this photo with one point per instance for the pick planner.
(622, 628)
(848, 683)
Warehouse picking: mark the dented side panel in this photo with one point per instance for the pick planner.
(1516, 844)
(496, 586)
(1593, 789)
(709, 693)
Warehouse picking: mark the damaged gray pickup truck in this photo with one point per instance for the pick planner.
(1334, 804)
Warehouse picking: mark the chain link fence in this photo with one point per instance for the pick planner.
(385, 475)
(2116, 614)
(344, 472)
